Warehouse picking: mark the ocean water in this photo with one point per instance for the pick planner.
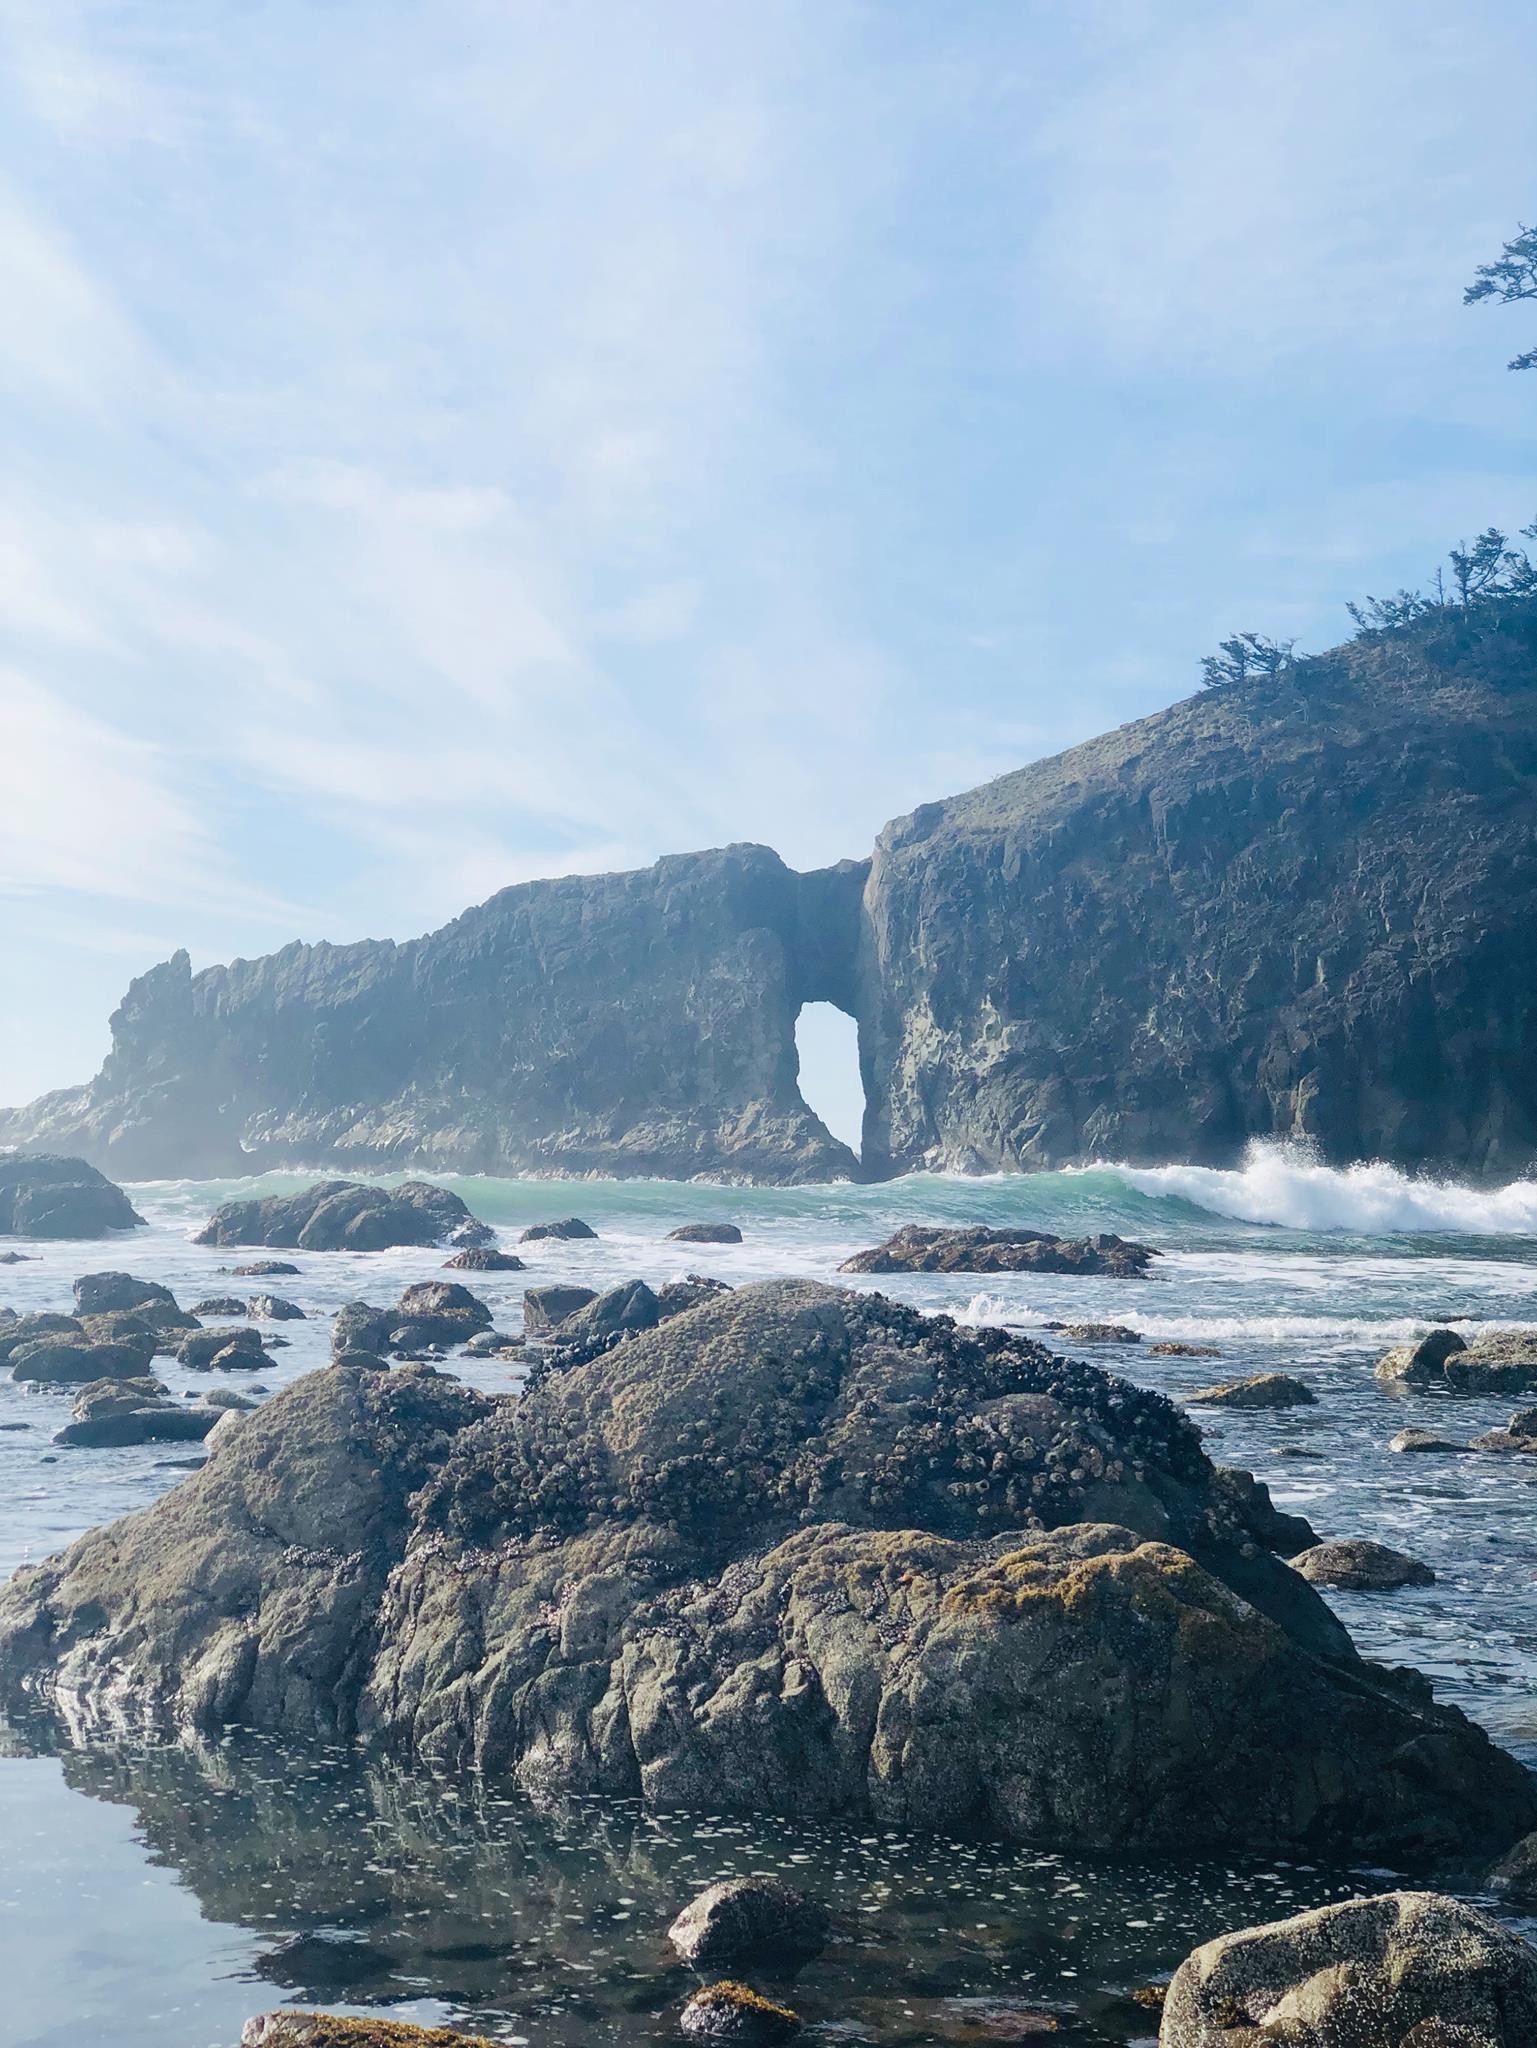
(163, 1894)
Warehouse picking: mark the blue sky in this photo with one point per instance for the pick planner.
(454, 443)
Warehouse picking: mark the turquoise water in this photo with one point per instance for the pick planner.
(168, 1893)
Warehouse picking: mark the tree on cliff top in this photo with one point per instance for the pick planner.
(1512, 276)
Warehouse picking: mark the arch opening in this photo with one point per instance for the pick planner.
(827, 1048)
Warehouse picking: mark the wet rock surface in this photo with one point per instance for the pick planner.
(730, 2011)
(705, 1233)
(43, 1194)
(340, 1215)
(1502, 1362)
(1259, 1390)
(1402, 1970)
(749, 1920)
(337, 2030)
(483, 1259)
(792, 1550)
(545, 1308)
(566, 1230)
(918, 1248)
(139, 1411)
(1361, 1566)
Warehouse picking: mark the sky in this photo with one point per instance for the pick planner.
(450, 443)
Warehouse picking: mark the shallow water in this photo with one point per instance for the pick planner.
(169, 1893)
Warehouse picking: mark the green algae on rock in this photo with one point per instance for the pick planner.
(793, 1550)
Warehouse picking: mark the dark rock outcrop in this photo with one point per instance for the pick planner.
(226, 1350)
(265, 1269)
(63, 1361)
(341, 1216)
(45, 1195)
(483, 1259)
(1402, 1970)
(568, 1230)
(98, 1294)
(796, 1550)
(917, 1248)
(273, 1308)
(705, 1233)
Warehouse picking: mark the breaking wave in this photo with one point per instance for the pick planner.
(1283, 1185)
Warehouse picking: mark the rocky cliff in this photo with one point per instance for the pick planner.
(1301, 909)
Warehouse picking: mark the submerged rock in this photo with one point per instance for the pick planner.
(794, 1550)
(1504, 1362)
(1518, 1435)
(335, 2030)
(735, 2012)
(43, 1194)
(118, 1412)
(1259, 1390)
(1403, 1970)
(567, 1230)
(749, 1919)
(484, 1259)
(1171, 1348)
(265, 1269)
(705, 1233)
(975, 1249)
(1361, 1566)
(1095, 1333)
(341, 1215)
(1422, 1441)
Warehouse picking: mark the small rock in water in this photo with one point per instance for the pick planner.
(1422, 1440)
(749, 1919)
(1096, 1333)
(264, 1269)
(1259, 1390)
(1516, 1871)
(272, 1308)
(735, 2012)
(1498, 1362)
(17, 1258)
(1519, 1434)
(568, 1229)
(1295, 1451)
(334, 2030)
(1170, 1349)
(220, 1305)
(484, 1259)
(917, 1248)
(1360, 1566)
(705, 1233)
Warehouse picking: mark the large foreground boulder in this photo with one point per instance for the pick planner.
(341, 1216)
(794, 1550)
(45, 1195)
(1403, 1970)
(976, 1249)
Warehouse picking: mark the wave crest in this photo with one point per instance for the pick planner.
(1284, 1185)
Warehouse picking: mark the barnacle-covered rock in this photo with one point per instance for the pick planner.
(793, 1549)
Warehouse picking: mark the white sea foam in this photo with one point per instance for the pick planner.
(1281, 1184)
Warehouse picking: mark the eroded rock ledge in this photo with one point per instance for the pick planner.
(794, 1549)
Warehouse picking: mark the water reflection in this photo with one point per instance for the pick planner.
(361, 1884)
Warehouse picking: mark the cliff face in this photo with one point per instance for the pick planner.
(637, 1023)
(1299, 909)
